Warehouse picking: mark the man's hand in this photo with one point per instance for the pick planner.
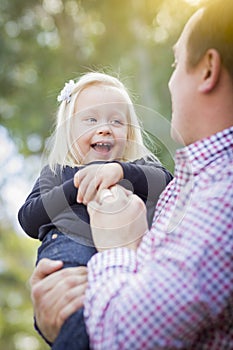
(94, 178)
(118, 219)
(56, 294)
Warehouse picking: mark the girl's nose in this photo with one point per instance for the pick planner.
(104, 129)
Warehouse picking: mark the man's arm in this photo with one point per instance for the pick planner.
(182, 289)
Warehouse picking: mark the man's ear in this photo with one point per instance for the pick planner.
(211, 69)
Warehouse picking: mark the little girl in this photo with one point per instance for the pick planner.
(97, 143)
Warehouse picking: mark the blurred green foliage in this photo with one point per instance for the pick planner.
(17, 255)
(43, 44)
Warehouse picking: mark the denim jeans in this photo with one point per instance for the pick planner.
(58, 246)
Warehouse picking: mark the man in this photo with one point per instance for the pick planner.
(173, 287)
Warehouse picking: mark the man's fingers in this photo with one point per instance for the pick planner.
(52, 288)
(109, 200)
(44, 268)
(76, 300)
(42, 283)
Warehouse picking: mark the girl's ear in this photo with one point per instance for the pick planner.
(211, 69)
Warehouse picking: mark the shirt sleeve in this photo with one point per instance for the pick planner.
(48, 197)
(184, 286)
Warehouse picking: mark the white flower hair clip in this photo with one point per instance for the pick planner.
(65, 94)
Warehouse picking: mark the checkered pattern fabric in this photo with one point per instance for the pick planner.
(177, 291)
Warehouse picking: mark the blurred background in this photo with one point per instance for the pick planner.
(43, 44)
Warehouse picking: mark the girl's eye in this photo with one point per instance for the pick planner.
(117, 122)
(90, 120)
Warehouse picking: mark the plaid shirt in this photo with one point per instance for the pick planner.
(177, 292)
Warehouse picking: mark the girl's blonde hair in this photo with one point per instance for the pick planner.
(61, 149)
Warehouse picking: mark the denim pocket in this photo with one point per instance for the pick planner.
(59, 246)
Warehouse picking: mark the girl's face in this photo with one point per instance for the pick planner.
(100, 124)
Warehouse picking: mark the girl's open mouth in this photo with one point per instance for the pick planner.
(102, 147)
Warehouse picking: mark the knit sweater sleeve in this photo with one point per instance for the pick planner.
(49, 196)
(148, 178)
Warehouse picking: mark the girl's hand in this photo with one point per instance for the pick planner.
(94, 178)
(56, 294)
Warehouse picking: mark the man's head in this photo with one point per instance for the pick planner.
(214, 29)
(201, 85)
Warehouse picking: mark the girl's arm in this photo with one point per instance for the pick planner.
(148, 178)
(49, 197)
(145, 178)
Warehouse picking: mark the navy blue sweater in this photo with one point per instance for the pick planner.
(52, 202)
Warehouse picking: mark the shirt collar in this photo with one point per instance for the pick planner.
(191, 159)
